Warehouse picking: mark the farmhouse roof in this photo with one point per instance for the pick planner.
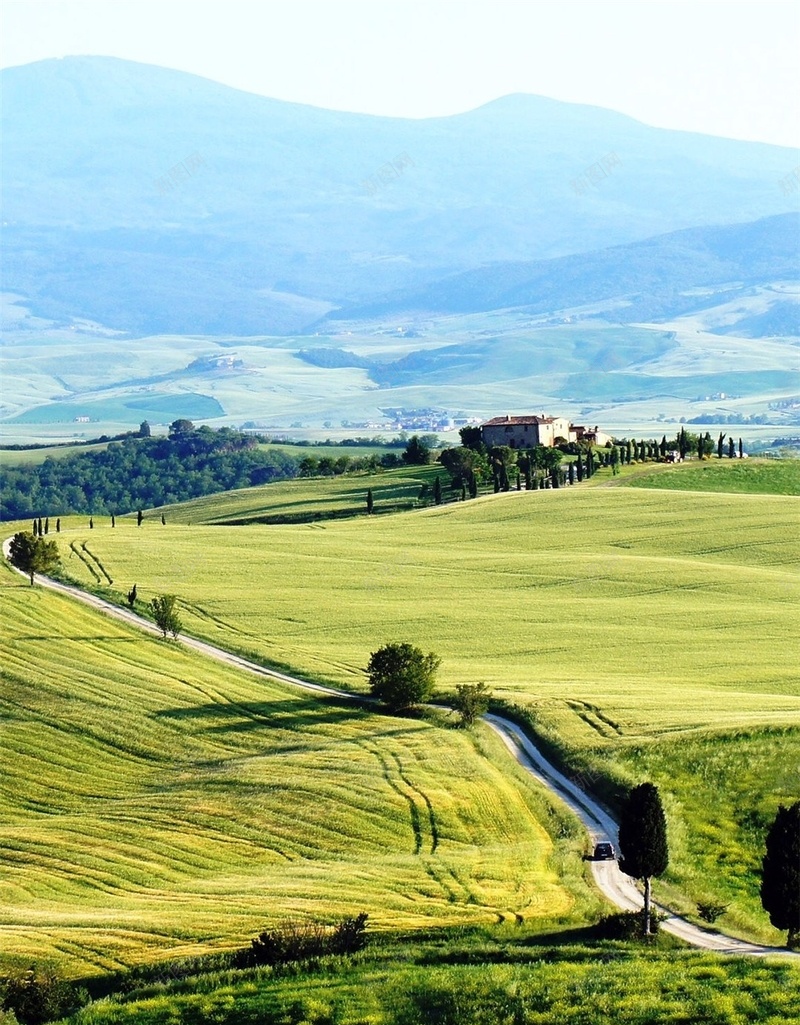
(502, 421)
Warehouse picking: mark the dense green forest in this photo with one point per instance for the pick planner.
(142, 472)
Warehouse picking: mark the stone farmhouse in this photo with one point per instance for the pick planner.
(526, 431)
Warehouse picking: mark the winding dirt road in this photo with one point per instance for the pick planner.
(615, 885)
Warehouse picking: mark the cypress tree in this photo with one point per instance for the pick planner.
(643, 840)
(139, 518)
(463, 492)
(113, 520)
(41, 532)
(47, 524)
(780, 873)
(437, 490)
(370, 502)
(720, 440)
(163, 520)
(731, 448)
(35, 529)
(628, 453)
(741, 449)
(58, 525)
(579, 468)
(473, 486)
(91, 523)
(664, 447)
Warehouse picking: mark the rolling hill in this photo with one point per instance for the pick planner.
(647, 633)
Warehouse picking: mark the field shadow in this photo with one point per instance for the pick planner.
(254, 715)
(76, 637)
(588, 943)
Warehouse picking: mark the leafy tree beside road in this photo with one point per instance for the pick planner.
(643, 840)
(401, 675)
(33, 554)
(164, 614)
(471, 702)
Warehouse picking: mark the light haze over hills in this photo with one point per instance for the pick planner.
(286, 204)
(152, 202)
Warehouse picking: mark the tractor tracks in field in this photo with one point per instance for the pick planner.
(617, 887)
(423, 818)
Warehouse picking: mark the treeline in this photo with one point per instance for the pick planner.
(142, 472)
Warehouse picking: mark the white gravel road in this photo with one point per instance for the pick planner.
(620, 889)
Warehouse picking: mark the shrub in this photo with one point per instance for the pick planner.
(471, 702)
(628, 925)
(300, 941)
(38, 994)
(711, 912)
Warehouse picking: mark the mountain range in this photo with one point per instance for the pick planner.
(175, 247)
(150, 200)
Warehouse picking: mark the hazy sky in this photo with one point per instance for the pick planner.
(725, 68)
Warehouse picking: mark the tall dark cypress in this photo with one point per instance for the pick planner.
(643, 840)
(780, 873)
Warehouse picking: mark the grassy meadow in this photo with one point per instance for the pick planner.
(310, 497)
(648, 632)
(751, 476)
(494, 984)
(156, 804)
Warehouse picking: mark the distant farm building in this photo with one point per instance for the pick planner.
(527, 431)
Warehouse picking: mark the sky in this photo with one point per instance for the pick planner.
(722, 68)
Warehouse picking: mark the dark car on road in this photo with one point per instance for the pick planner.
(604, 852)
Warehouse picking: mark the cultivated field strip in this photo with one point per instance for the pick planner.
(615, 598)
(154, 803)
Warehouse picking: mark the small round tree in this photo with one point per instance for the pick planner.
(32, 554)
(643, 840)
(780, 873)
(401, 675)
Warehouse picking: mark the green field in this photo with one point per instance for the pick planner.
(752, 476)
(153, 804)
(630, 622)
(583, 985)
(309, 498)
(34, 456)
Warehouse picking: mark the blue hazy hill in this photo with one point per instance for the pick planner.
(151, 200)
